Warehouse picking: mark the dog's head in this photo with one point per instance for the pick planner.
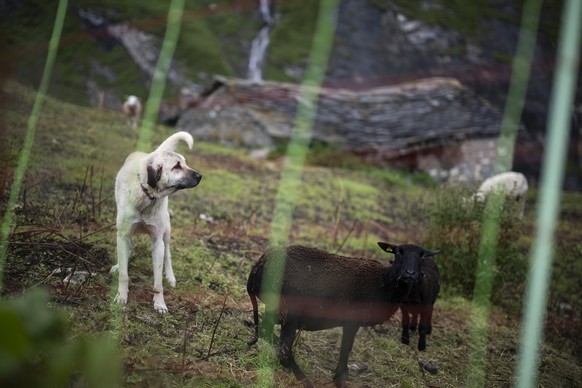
(168, 172)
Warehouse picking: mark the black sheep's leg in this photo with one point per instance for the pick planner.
(415, 313)
(288, 331)
(421, 338)
(341, 371)
(405, 324)
(429, 321)
(424, 313)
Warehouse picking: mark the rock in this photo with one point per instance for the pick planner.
(429, 367)
(206, 218)
(357, 368)
(76, 276)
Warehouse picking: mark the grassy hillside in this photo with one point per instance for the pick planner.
(211, 42)
(64, 220)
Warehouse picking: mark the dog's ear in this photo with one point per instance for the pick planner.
(154, 175)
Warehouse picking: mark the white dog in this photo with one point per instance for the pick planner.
(132, 109)
(142, 188)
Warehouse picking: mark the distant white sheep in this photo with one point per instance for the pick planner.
(132, 109)
(512, 184)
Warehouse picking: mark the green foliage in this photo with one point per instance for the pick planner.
(81, 57)
(336, 157)
(291, 39)
(200, 50)
(326, 155)
(456, 227)
(209, 43)
(35, 349)
(568, 250)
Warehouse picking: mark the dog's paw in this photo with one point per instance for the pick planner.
(120, 299)
(160, 304)
(114, 269)
(160, 308)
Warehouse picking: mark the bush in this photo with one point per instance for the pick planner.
(36, 351)
(456, 226)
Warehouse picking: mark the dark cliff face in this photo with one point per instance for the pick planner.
(377, 47)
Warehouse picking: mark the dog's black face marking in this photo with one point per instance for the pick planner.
(154, 175)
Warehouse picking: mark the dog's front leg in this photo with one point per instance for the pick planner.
(158, 263)
(123, 252)
(169, 271)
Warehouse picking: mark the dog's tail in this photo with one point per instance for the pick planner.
(171, 143)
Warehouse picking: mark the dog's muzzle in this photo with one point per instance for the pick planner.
(190, 180)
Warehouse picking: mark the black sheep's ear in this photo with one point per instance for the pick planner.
(154, 175)
(388, 247)
(428, 253)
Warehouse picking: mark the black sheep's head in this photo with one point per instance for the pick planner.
(407, 260)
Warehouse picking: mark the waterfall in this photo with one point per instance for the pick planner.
(261, 43)
(266, 11)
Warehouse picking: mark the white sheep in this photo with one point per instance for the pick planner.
(512, 184)
(132, 109)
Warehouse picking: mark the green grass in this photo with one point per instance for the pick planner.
(61, 223)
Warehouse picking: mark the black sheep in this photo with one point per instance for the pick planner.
(419, 304)
(320, 290)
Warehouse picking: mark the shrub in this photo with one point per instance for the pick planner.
(455, 227)
(36, 349)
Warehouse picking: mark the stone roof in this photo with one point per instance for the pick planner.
(395, 119)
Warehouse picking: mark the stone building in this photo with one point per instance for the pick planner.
(435, 125)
